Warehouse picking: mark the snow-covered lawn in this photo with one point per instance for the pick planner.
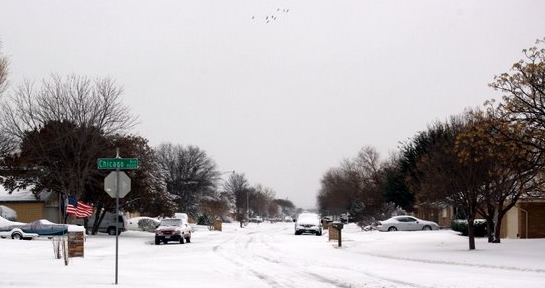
(269, 255)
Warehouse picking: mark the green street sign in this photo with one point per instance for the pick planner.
(117, 163)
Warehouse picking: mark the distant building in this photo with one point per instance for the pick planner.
(525, 220)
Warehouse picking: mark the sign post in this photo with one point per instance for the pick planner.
(117, 184)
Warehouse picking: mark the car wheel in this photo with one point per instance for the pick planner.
(426, 228)
(319, 233)
(392, 228)
(157, 241)
(111, 231)
(17, 236)
(182, 240)
(188, 239)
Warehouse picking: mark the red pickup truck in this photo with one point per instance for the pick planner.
(173, 229)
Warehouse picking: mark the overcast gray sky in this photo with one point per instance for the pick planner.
(283, 101)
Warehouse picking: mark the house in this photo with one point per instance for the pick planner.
(440, 213)
(525, 220)
(30, 208)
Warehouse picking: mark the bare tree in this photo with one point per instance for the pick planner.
(192, 175)
(260, 200)
(238, 189)
(355, 187)
(365, 172)
(286, 207)
(3, 71)
(335, 193)
(77, 99)
(6, 142)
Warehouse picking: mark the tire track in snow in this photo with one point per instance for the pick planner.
(428, 261)
(231, 258)
(277, 256)
(277, 259)
(258, 255)
(340, 284)
(249, 256)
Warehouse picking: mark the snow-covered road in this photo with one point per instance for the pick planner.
(270, 255)
(278, 258)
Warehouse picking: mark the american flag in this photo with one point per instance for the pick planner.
(78, 208)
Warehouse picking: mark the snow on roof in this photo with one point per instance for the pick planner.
(22, 195)
(17, 195)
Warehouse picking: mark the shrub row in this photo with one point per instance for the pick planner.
(460, 225)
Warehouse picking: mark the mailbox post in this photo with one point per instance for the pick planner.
(338, 226)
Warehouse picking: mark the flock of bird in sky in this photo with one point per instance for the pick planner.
(272, 17)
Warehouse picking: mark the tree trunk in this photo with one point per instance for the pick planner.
(497, 228)
(489, 216)
(490, 228)
(98, 219)
(470, 232)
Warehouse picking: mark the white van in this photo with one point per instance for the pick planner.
(182, 216)
(107, 225)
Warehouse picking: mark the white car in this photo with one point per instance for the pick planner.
(406, 223)
(308, 223)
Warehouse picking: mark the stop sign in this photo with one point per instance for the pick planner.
(110, 184)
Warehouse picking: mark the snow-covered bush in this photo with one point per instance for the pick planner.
(147, 225)
(8, 213)
(460, 225)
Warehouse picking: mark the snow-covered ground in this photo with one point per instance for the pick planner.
(269, 255)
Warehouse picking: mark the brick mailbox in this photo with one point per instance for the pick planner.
(76, 242)
(335, 232)
(217, 225)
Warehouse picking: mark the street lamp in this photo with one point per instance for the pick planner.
(248, 203)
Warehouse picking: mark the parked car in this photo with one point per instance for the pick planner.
(405, 223)
(107, 225)
(308, 223)
(346, 218)
(173, 229)
(275, 219)
(256, 219)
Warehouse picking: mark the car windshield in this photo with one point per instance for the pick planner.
(171, 222)
(308, 216)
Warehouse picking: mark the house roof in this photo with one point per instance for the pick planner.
(22, 195)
